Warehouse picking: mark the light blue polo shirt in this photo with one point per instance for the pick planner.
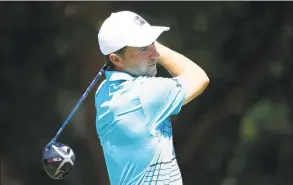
(134, 128)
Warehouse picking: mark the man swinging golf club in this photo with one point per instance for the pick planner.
(134, 107)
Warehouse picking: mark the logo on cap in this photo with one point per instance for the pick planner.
(138, 20)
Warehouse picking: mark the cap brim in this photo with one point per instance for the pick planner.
(146, 36)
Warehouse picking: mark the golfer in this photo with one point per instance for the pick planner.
(134, 107)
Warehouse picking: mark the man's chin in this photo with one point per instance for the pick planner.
(152, 73)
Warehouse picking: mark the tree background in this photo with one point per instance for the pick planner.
(238, 132)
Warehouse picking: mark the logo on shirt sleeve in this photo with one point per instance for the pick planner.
(177, 82)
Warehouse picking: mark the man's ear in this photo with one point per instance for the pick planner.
(116, 59)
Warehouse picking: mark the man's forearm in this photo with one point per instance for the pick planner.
(180, 66)
(175, 63)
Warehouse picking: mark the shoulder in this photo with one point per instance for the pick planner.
(100, 87)
(156, 88)
(144, 80)
(157, 83)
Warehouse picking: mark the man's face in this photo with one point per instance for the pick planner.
(140, 61)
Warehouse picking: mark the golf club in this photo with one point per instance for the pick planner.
(58, 158)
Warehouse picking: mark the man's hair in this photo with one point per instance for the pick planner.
(110, 65)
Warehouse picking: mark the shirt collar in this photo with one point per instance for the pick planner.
(117, 75)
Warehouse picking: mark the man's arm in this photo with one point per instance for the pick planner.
(194, 78)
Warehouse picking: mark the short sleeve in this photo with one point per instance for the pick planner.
(161, 97)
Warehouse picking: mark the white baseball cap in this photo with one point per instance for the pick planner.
(127, 28)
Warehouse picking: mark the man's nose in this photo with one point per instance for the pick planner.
(154, 53)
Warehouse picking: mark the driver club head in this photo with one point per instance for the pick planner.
(58, 160)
